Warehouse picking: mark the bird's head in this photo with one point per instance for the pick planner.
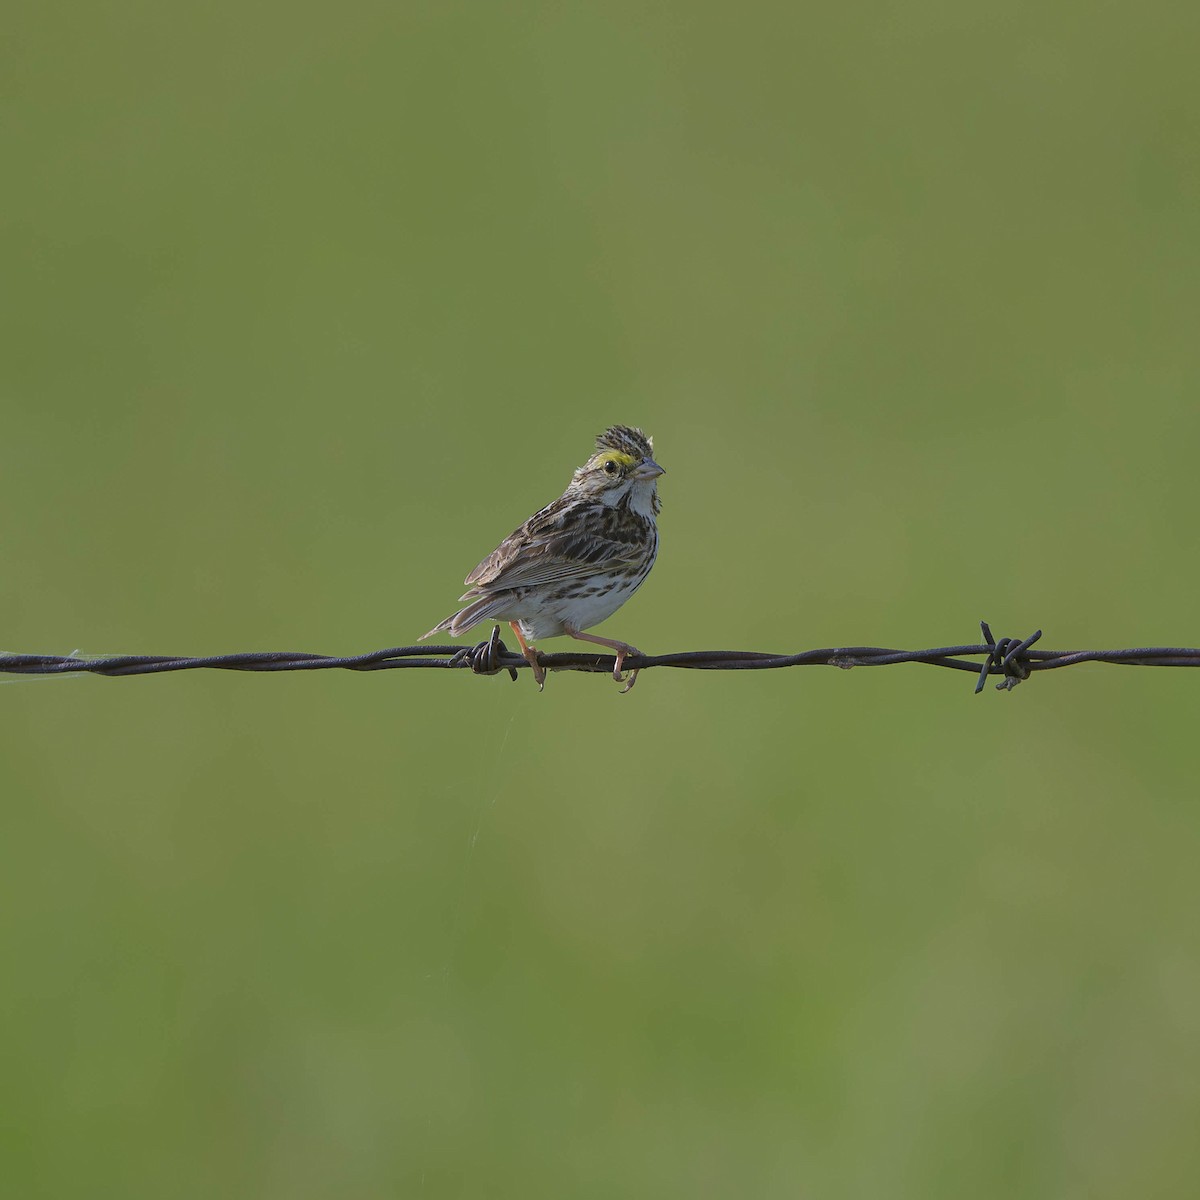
(623, 466)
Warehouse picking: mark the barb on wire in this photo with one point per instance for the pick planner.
(1012, 658)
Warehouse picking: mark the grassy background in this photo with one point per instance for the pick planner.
(305, 307)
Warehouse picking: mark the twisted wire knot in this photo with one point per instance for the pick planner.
(1007, 656)
(485, 658)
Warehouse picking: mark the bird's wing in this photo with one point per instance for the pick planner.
(544, 551)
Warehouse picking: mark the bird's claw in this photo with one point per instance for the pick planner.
(620, 663)
(539, 672)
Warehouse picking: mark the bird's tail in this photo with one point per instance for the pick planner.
(478, 610)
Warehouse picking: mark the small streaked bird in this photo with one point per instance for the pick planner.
(576, 561)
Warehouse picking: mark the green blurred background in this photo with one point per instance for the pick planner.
(305, 307)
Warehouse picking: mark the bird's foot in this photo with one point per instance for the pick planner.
(531, 656)
(622, 651)
(539, 672)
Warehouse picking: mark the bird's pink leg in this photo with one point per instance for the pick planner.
(622, 649)
(530, 652)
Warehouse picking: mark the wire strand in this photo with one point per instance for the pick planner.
(1011, 658)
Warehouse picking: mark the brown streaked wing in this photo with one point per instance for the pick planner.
(541, 551)
(535, 532)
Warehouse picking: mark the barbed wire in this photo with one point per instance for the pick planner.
(1012, 658)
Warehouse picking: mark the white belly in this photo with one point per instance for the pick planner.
(590, 602)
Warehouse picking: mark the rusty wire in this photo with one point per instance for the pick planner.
(1013, 659)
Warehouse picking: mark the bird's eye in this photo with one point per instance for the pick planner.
(610, 467)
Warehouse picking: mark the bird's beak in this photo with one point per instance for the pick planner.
(648, 469)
